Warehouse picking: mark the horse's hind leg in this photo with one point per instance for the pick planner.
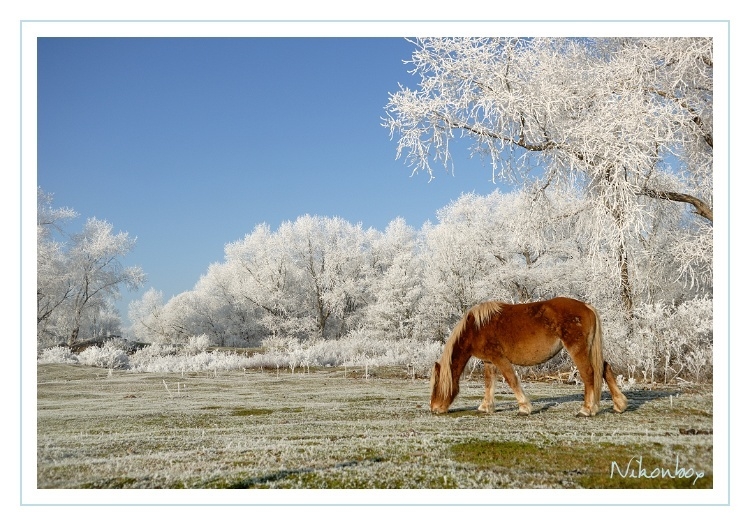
(618, 399)
(490, 373)
(580, 356)
(502, 363)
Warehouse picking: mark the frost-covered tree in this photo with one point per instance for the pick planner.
(329, 257)
(219, 312)
(147, 317)
(266, 281)
(182, 317)
(95, 270)
(457, 266)
(395, 282)
(221, 289)
(306, 279)
(53, 285)
(626, 121)
(78, 276)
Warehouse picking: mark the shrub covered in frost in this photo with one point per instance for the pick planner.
(182, 363)
(357, 349)
(197, 344)
(108, 357)
(141, 359)
(57, 355)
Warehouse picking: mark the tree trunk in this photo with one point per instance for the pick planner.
(73, 337)
(626, 290)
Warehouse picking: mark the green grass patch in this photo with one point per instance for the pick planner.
(113, 483)
(343, 475)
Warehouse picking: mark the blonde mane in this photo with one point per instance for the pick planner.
(481, 314)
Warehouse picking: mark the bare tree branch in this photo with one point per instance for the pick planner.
(701, 207)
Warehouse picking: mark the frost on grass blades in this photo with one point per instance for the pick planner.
(351, 413)
(329, 428)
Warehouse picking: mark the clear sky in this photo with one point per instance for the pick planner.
(188, 143)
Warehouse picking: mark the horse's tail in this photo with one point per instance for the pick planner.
(596, 355)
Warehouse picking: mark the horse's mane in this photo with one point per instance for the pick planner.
(481, 313)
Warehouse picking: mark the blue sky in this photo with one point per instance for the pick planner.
(188, 143)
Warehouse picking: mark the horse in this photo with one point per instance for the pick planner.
(503, 335)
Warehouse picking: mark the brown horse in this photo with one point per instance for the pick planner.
(525, 334)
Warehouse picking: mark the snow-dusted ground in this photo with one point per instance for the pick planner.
(333, 428)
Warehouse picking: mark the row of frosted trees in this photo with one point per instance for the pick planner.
(320, 278)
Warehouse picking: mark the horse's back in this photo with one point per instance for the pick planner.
(555, 309)
(531, 333)
(565, 304)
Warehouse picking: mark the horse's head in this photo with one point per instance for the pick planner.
(442, 393)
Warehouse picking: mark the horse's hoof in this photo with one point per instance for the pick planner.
(583, 414)
(620, 408)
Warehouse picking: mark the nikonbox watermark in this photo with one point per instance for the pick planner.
(635, 469)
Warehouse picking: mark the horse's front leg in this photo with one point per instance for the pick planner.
(490, 375)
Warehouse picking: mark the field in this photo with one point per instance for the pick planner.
(334, 428)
